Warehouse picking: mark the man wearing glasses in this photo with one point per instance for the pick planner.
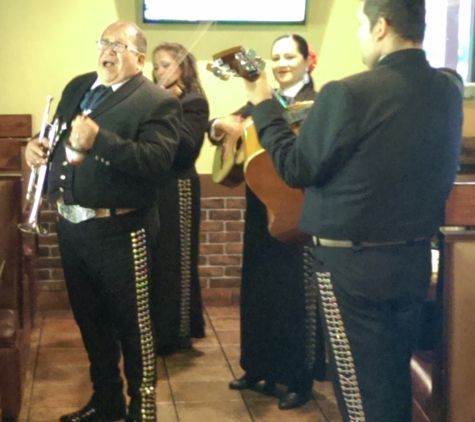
(119, 137)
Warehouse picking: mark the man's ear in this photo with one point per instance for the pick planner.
(381, 28)
(141, 60)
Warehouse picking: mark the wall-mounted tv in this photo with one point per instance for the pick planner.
(223, 11)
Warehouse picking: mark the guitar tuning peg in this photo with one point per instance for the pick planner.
(261, 64)
(251, 54)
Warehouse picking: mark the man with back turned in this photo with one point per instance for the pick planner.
(104, 174)
(377, 156)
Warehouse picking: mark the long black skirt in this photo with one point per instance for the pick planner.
(177, 311)
(281, 334)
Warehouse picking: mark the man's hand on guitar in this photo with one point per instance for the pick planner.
(259, 90)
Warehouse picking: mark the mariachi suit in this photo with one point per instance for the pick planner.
(177, 311)
(281, 335)
(377, 154)
(105, 260)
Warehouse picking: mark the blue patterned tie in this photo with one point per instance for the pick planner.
(94, 96)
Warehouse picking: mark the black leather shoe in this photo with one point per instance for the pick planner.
(291, 400)
(243, 383)
(98, 411)
(90, 413)
(269, 388)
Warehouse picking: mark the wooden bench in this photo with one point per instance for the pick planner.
(443, 378)
(17, 260)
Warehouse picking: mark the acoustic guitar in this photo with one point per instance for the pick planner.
(228, 162)
(283, 203)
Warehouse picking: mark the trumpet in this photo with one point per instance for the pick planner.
(37, 178)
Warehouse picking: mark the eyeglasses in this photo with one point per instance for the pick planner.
(118, 47)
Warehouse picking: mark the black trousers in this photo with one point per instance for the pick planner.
(105, 262)
(371, 300)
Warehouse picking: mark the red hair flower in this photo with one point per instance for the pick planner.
(312, 59)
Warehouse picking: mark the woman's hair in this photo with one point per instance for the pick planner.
(187, 62)
(302, 45)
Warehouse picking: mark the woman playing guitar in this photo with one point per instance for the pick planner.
(281, 338)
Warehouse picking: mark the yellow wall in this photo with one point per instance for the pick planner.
(45, 43)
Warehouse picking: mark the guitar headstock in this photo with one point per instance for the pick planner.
(236, 61)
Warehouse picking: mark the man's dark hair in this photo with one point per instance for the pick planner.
(406, 17)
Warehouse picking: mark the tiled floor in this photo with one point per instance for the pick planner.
(192, 386)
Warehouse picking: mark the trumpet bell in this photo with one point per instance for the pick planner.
(38, 175)
(33, 228)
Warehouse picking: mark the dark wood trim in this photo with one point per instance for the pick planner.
(2, 266)
(15, 125)
(460, 206)
(10, 175)
(10, 154)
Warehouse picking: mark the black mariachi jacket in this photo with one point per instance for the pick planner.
(378, 153)
(133, 151)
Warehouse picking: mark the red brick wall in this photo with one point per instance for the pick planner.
(51, 288)
(222, 222)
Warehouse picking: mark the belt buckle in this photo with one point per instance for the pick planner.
(75, 213)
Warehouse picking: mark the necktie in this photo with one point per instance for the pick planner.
(94, 96)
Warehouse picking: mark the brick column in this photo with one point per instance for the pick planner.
(222, 223)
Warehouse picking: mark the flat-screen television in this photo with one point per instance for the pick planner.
(224, 11)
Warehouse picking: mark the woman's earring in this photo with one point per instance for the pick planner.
(306, 77)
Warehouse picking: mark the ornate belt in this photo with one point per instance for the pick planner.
(76, 214)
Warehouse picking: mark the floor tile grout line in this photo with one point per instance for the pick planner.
(322, 411)
(242, 396)
(230, 367)
(35, 359)
(167, 374)
(41, 335)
